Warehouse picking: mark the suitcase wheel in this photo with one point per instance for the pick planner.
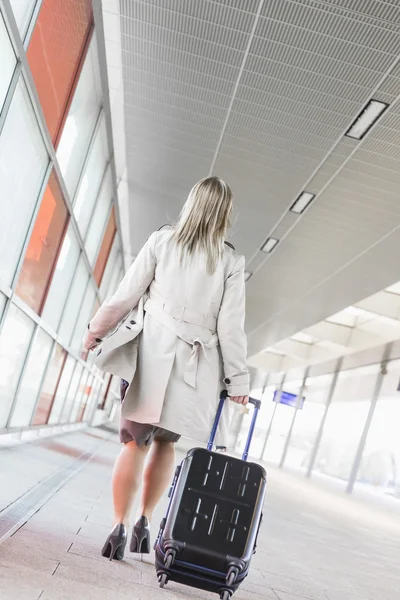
(169, 559)
(225, 595)
(163, 580)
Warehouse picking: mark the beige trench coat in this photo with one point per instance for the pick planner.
(180, 338)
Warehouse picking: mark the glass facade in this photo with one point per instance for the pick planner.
(58, 236)
(345, 421)
(20, 143)
(307, 423)
(81, 120)
(380, 463)
(325, 434)
(92, 176)
(8, 61)
(15, 338)
(31, 381)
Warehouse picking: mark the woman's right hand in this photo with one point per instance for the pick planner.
(240, 399)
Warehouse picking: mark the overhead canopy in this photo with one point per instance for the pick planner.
(262, 94)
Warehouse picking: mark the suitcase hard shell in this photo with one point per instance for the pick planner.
(210, 531)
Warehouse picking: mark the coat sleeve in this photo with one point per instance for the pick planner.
(232, 337)
(133, 286)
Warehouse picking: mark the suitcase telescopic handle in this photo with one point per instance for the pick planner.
(257, 406)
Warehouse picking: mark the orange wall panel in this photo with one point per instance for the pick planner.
(55, 52)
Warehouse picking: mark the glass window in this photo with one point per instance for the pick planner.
(92, 177)
(345, 422)
(3, 301)
(74, 302)
(32, 379)
(104, 391)
(62, 390)
(71, 393)
(80, 396)
(83, 318)
(118, 280)
(61, 280)
(99, 218)
(111, 410)
(308, 421)
(87, 395)
(79, 126)
(280, 419)
(110, 268)
(50, 386)
(55, 51)
(112, 394)
(15, 338)
(115, 278)
(92, 401)
(7, 63)
(105, 248)
(23, 10)
(23, 163)
(43, 247)
(380, 465)
(242, 419)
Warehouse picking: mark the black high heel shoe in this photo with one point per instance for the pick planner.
(140, 541)
(115, 543)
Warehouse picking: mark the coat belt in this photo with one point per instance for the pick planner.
(182, 313)
(157, 311)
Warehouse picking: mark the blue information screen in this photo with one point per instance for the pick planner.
(288, 399)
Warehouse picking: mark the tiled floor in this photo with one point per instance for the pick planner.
(313, 545)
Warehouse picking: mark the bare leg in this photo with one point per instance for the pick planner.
(157, 476)
(127, 475)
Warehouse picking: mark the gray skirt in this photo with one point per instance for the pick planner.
(141, 433)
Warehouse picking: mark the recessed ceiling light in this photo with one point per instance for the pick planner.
(368, 116)
(247, 275)
(302, 202)
(304, 338)
(269, 245)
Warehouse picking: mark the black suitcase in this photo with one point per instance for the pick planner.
(209, 533)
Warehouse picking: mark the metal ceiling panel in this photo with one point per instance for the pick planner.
(261, 93)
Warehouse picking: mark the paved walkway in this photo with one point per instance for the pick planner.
(313, 545)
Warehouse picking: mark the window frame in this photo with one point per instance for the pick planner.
(24, 362)
(63, 232)
(20, 76)
(26, 36)
(51, 356)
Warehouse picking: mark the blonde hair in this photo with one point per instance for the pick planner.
(205, 220)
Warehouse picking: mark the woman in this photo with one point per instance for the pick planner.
(184, 343)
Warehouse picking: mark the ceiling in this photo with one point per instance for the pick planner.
(373, 323)
(261, 93)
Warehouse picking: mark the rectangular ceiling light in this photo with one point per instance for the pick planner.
(269, 245)
(247, 275)
(368, 116)
(302, 202)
